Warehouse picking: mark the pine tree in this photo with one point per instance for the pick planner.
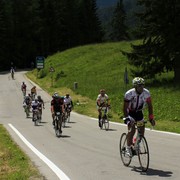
(160, 48)
(89, 23)
(3, 35)
(119, 28)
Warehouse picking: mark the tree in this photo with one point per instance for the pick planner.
(119, 28)
(89, 24)
(160, 48)
(3, 29)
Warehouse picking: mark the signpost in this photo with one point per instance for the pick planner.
(126, 79)
(51, 70)
(40, 62)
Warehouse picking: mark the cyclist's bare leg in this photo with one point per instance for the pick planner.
(53, 116)
(130, 134)
(100, 114)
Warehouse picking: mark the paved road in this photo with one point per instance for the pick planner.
(84, 152)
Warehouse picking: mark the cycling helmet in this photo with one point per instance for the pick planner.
(39, 97)
(55, 95)
(138, 81)
(102, 90)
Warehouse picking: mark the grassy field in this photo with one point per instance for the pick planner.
(14, 164)
(98, 66)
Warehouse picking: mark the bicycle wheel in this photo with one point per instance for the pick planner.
(143, 154)
(101, 123)
(68, 117)
(106, 124)
(35, 119)
(57, 128)
(126, 159)
(63, 121)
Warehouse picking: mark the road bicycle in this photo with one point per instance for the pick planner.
(26, 109)
(104, 122)
(24, 92)
(12, 75)
(35, 117)
(58, 124)
(64, 120)
(68, 113)
(139, 148)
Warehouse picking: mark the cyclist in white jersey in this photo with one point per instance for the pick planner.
(135, 100)
(102, 101)
(68, 103)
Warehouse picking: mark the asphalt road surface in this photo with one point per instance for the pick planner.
(84, 152)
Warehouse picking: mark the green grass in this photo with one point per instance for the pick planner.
(14, 164)
(102, 66)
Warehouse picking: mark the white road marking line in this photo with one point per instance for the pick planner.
(164, 132)
(61, 175)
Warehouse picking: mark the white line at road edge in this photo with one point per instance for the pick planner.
(54, 168)
(164, 132)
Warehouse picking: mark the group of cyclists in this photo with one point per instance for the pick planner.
(135, 100)
(34, 102)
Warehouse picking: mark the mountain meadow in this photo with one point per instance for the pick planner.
(82, 71)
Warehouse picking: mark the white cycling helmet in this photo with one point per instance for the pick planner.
(138, 81)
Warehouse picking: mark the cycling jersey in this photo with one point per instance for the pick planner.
(27, 100)
(102, 99)
(12, 71)
(57, 104)
(35, 105)
(137, 101)
(33, 90)
(67, 100)
(23, 87)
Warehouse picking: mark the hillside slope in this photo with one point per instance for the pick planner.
(98, 66)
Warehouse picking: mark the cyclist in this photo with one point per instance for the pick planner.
(102, 101)
(35, 107)
(57, 105)
(135, 100)
(12, 71)
(27, 105)
(23, 88)
(68, 103)
(33, 92)
(41, 105)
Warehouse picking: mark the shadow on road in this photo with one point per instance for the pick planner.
(67, 127)
(112, 130)
(71, 122)
(153, 172)
(157, 172)
(43, 122)
(64, 136)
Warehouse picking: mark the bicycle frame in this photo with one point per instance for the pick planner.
(104, 119)
(140, 148)
(36, 116)
(67, 112)
(58, 123)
